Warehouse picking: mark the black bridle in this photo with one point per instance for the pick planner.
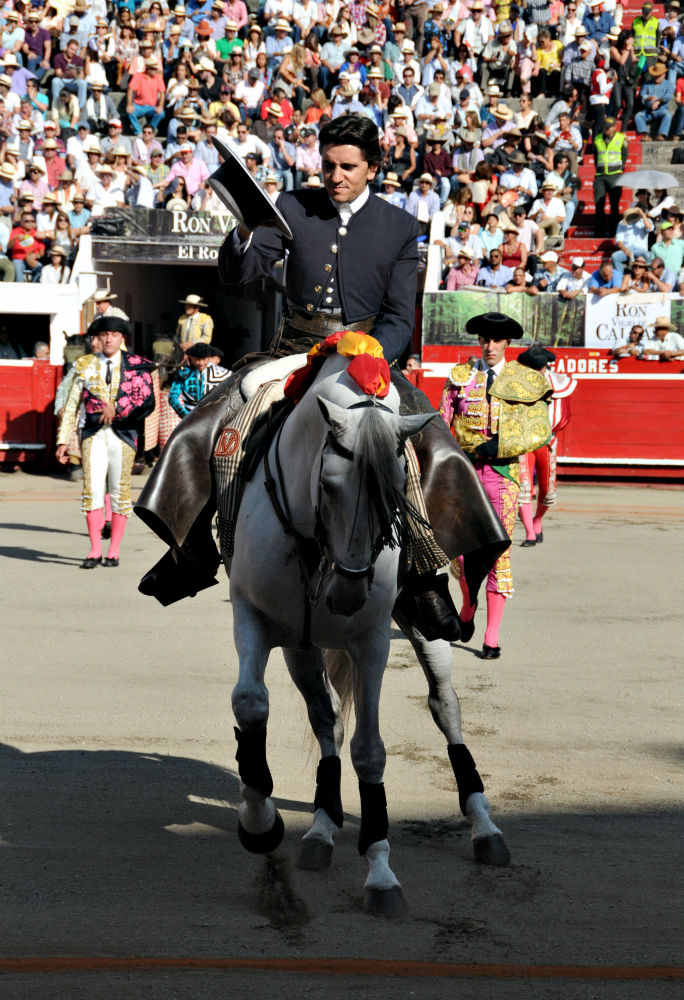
(326, 559)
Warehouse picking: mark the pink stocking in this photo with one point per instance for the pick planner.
(538, 515)
(118, 528)
(95, 522)
(526, 518)
(468, 609)
(108, 507)
(496, 603)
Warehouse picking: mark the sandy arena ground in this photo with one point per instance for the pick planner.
(118, 787)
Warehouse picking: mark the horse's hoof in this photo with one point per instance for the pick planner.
(314, 855)
(491, 850)
(263, 843)
(385, 902)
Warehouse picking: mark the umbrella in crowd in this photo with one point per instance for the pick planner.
(649, 179)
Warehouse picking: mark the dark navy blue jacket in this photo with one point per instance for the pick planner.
(374, 262)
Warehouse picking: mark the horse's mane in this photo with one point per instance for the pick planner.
(377, 456)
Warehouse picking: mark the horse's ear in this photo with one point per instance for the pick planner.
(334, 415)
(408, 426)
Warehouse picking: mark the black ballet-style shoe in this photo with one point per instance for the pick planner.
(468, 627)
(110, 562)
(91, 562)
(528, 543)
(490, 652)
(107, 529)
(540, 538)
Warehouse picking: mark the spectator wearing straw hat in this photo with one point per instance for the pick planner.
(145, 97)
(37, 46)
(494, 135)
(655, 98)
(194, 326)
(85, 175)
(476, 32)
(36, 183)
(105, 193)
(670, 346)
(437, 163)
(346, 102)
(103, 299)
(218, 21)
(228, 41)
(99, 108)
(332, 57)
(35, 118)
(139, 193)
(25, 250)
(391, 190)
(7, 196)
(548, 211)
(56, 272)
(499, 58)
(236, 10)
(23, 139)
(11, 99)
(578, 62)
(278, 43)
(464, 271)
(423, 203)
(180, 21)
(520, 179)
(54, 164)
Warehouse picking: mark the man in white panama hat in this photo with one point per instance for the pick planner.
(103, 299)
(194, 326)
(669, 344)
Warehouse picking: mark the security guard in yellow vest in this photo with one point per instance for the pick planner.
(610, 154)
(646, 31)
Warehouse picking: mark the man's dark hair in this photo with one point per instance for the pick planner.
(353, 130)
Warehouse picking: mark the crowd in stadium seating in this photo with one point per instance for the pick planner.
(116, 102)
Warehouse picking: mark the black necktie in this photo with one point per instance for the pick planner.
(108, 376)
(491, 375)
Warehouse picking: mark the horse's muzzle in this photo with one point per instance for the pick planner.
(346, 597)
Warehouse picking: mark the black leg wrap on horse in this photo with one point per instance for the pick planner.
(374, 821)
(251, 758)
(465, 772)
(328, 794)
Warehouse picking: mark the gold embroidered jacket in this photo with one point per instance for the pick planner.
(516, 411)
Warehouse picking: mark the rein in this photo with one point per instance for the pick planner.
(326, 560)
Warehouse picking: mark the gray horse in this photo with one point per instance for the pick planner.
(327, 511)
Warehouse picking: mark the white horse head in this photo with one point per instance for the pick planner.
(359, 499)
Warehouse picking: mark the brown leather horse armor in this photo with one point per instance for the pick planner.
(178, 501)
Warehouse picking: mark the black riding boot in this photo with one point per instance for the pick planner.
(426, 603)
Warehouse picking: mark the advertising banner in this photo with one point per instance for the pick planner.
(608, 320)
(545, 318)
(158, 236)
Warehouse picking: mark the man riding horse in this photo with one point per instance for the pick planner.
(351, 265)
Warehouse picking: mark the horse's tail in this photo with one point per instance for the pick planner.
(341, 671)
